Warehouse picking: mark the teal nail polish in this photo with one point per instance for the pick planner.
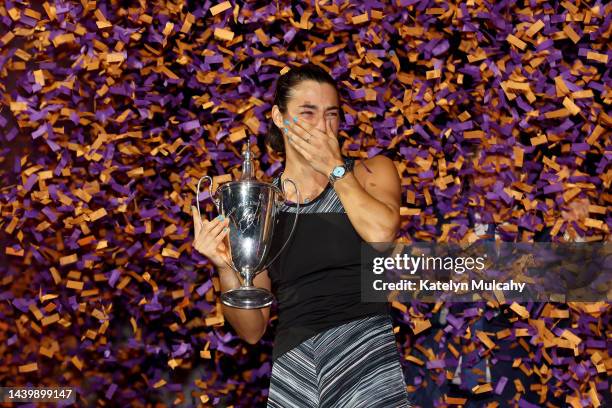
(295, 119)
(285, 130)
(286, 122)
(220, 217)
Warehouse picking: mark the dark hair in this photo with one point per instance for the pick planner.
(284, 85)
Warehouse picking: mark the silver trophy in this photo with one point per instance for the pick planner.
(251, 207)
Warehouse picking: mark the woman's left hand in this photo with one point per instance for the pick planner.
(320, 149)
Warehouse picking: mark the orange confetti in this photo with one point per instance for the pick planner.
(456, 401)
(115, 57)
(173, 363)
(26, 368)
(420, 325)
(68, 259)
(46, 321)
(538, 140)
(473, 134)
(160, 383)
(362, 18)
(535, 28)
(517, 42)
(572, 35)
(12, 251)
(571, 106)
(595, 56)
(415, 360)
(77, 362)
(482, 388)
(485, 339)
(224, 34)
(220, 8)
(99, 213)
(520, 310)
(598, 131)
(71, 284)
(63, 38)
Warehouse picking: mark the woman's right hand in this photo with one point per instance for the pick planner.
(209, 239)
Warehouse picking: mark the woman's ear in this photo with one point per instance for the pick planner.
(277, 117)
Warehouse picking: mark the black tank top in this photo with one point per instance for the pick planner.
(316, 280)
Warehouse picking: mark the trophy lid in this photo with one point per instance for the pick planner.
(248, 170)
(247, 178)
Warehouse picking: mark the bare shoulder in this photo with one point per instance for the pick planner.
(375, 168)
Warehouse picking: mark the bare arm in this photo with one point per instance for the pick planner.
(372, 200)
(250, 324)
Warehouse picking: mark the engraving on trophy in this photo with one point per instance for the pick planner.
(248, 212)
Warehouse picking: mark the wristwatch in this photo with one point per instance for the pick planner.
(337, 173)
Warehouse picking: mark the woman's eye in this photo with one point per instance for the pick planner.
(306, 113)
(332, 114)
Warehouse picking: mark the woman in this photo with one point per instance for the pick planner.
(330, 349)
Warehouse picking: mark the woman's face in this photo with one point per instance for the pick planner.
(313, 103)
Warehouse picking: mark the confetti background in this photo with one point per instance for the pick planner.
(110, 112)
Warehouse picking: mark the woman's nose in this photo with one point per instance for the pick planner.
(321, 123)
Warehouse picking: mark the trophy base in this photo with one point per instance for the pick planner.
(247, 297)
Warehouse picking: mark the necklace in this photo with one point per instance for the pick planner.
(307, 198)
(311, 197)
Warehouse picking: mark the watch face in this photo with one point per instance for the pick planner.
(338, 171)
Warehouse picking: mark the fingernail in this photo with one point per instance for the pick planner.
(225, 229)
(285, 130)
(220, 217)
(286, 122)
(295, 119)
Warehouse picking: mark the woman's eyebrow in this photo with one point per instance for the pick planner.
(311, 106)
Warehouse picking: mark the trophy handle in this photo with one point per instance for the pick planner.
(212, 195)
(215, 201)
(297, 211)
